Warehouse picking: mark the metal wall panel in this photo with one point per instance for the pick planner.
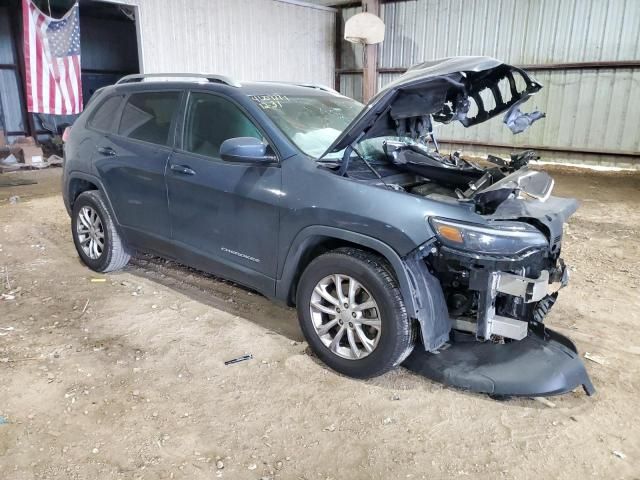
(351, 86)
(248, 39)
(591, 109)
(517, 31)
(351, 53)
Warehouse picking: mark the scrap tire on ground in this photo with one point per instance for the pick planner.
(397, 334)
(113, 255)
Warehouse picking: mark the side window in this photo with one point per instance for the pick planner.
(210, 121)
(147, 116)
(102, 118)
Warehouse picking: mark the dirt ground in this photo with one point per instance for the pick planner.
(123, 378)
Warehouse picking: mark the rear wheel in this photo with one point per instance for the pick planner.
(94, 234)
(352, 313)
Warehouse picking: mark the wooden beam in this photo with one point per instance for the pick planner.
(370, 59)
(338, 50)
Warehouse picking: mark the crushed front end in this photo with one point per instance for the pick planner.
(482, 284)
(499, 280)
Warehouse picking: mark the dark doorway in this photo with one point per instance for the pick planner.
(109, 50)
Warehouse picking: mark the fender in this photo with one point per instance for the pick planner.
(421, 291)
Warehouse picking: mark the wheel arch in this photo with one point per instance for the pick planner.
(421, 291)
(315, 240)
(80, 182)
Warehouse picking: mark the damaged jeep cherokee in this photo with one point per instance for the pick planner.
(391, 250)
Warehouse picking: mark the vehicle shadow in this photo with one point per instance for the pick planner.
(224, 295)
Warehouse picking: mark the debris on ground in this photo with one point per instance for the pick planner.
(14, 199)
(544, 401)
(619, 454)
(9, 164)
(243, 358)
(54, 160)
(3, 420)
(25, 154)
(595, 358)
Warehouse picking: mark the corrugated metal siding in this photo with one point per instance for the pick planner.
(590, 109)
(517, 31)
(351, 86)
(248, 39)
(586, 108)
(351, 53)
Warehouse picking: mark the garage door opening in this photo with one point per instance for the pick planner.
(109, 51)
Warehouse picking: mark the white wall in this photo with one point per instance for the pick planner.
(246, 39)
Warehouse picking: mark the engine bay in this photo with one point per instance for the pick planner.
(414, 168)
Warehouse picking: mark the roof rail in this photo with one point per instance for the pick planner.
(139, 77)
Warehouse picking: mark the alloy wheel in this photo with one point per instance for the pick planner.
(90, 232)
(345, 316)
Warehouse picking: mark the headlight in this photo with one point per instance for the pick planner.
(502, 238)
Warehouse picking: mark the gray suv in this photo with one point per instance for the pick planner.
(350, 213)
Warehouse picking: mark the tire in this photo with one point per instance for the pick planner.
(395, 339)
(113, 254)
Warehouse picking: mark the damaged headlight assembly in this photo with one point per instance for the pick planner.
(502, 238)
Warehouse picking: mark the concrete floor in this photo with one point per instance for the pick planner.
(121, 376)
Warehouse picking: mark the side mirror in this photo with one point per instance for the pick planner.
(245, 150)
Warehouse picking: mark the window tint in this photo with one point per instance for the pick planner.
(211, 120)
(104, 115)
(147, 116)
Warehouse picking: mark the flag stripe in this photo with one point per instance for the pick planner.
(40, 65)
(78, 81)
(53, 80)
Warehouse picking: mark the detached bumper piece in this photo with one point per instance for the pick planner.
(543, 363)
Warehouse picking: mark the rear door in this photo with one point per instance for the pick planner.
(132, 161)
(226, 212)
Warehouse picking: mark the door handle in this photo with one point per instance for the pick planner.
(182, 169)
(110, 152)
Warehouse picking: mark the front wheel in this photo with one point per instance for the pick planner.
(352, 313)
(94, 234)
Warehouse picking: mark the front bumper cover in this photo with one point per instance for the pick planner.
(542, 364)
(537, 362)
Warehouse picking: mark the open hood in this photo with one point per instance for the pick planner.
(442, 91)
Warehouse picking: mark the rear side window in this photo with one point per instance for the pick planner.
(103, 118)
(147, 116)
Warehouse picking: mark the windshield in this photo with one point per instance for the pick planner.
(312, 122)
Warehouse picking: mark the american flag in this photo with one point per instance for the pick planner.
(52, 61)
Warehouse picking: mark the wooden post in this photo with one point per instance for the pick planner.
(15, 13)
(338, 49)
(370, 58)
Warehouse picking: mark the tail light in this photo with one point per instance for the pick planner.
(65, 134)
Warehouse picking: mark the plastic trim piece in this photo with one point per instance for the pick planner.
(542, 364)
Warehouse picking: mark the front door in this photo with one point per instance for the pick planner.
(226, 212)
(132, 163)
